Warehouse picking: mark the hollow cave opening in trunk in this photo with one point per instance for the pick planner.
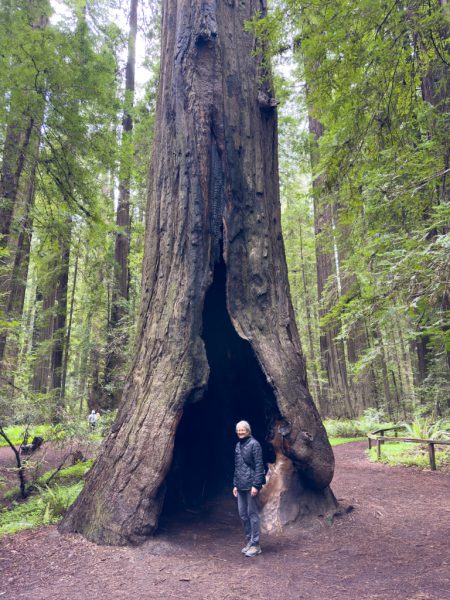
(203, 459)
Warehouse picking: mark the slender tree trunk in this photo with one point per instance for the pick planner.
(16, 286)
(309, 321)
(83, 375)
(17, 140)
(42, 336)
(213, 225)
(50, 330)
(119, 309)
(17, 184)
(383, 362)
(69, 325)
(59, 328)
(95, 388)
(406, 359)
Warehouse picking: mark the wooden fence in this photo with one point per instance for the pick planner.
(380, 438)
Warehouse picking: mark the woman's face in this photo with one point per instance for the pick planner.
(241, 432)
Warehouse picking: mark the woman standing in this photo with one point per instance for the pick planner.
(249, 478)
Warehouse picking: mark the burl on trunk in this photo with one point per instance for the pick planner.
(218, 340)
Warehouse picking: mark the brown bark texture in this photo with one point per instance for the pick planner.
(13, 280)
(213, 196)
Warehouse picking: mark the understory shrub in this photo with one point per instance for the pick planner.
(45, 508)
(370, 420)
(48, 503)
(428, 429)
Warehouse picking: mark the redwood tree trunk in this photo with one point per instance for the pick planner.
(59, 328)
(213, 224)
(15, 283)
(120, 294)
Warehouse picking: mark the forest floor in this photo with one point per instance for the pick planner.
(394, 544)
(47, 457)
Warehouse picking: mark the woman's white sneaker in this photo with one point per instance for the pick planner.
(254, 550)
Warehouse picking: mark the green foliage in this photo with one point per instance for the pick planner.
(43, 509)
(16, 433)
(66, 74)
(376, 78)
(373, 75)
(48, 503)
(371, 420)
(428, 429)
(69, 475)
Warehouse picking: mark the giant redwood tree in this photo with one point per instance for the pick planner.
(218, 340)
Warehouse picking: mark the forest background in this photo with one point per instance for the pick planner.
(363, 95)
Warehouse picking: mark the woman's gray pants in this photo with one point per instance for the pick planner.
(248, 511)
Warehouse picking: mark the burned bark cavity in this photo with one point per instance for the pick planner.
(203, 460)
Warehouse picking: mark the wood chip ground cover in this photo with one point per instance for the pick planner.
(393, 545)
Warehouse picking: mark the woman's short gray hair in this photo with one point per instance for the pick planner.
(245, 425)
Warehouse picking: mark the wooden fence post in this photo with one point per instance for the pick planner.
(432, 456)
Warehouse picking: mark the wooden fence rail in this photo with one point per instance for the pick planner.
(380, 438)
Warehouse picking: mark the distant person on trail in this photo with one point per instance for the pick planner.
(92, 419)
(248, 479)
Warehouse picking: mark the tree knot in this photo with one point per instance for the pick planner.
(207, 32)
(266, 101)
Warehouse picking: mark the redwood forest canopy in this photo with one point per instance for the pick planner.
(362, 94)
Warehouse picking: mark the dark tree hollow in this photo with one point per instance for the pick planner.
(203, 460)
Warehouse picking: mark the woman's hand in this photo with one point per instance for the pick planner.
(235, 492)
(254, 491)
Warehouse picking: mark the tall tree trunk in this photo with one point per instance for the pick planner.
(83, 375)
(17, 187)
(15, 151)
(119, 309)
(50, 330)
(69, 325)
(17, 140)
(59, 329)
(42, 336)
(213, 225)
(309, 321)
(383, 362)
(332, 352)
(16, 281)
(435, 85)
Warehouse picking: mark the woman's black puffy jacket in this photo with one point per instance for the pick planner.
(248, 465)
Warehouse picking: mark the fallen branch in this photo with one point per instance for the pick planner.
(58, 469)
(20, 466)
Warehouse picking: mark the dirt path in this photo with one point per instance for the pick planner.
(395, 544)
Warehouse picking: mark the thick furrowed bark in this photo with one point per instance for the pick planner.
(213, 193)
